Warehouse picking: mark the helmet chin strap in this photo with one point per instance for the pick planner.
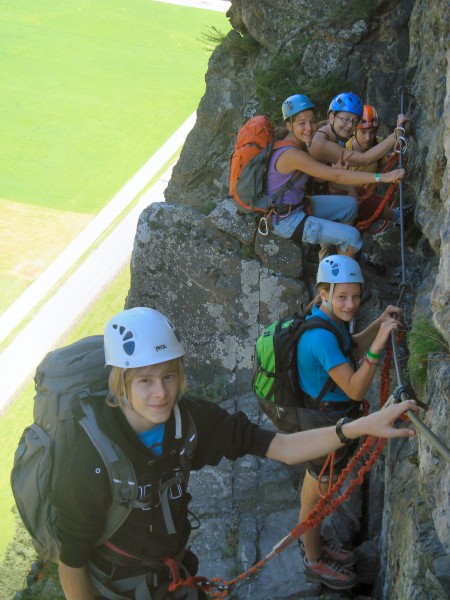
(328, 303)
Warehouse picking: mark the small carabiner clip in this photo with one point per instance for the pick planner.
(397, 147)
(263, 226)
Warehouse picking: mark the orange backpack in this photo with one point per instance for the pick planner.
(249, 162)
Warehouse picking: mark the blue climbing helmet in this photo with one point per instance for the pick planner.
(347, 102)
(295, 104)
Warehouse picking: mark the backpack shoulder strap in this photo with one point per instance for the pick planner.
(120, 471)
(285, 144)
(279, 194)
(319, 323)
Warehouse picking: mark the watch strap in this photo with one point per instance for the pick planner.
(342, 437)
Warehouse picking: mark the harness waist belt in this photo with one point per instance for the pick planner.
(285, 209)
(336, 406)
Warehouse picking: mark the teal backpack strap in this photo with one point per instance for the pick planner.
(121, 473)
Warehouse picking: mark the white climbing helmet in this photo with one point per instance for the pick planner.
(338, 268)
(139, 337)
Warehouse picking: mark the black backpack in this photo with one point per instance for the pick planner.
(275, 374)
(71, 387)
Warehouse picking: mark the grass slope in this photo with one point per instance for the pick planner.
(24, 248)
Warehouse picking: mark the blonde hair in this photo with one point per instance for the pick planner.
(317, 301)
(120, 381)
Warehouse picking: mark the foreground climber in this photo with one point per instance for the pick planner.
(165, 434)
(321, 362)
(322, 219)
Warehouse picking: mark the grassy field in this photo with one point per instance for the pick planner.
(88, 92)
(19, 415)
(25, 251)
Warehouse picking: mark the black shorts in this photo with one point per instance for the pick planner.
(316, 419)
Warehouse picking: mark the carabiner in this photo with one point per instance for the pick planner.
(397, 149)
(263, 227)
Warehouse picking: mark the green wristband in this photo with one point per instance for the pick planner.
(373, 355)
(377, 177)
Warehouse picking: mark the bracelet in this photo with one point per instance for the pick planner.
(373, 355)
(341, 435)
(377, 177)
(371, 362)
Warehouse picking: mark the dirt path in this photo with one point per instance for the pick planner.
(19, 360)
(218, 5)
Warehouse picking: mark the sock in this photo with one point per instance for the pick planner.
(396, 217)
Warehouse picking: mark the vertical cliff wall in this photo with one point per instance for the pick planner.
(416, 524)
(199, 261)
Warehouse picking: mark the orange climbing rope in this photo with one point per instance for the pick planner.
(219, 589)
(370, 196)
(369, 452)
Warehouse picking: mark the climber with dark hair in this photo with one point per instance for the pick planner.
(344, 115)
(364, 139)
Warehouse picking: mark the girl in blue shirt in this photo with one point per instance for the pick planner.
(321, 359)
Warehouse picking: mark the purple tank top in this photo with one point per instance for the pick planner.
(275, 180)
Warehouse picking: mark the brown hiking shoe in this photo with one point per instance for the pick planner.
(329, 573)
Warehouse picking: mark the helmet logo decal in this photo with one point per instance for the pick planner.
(128, 345)
(334, 267)
(161, 347)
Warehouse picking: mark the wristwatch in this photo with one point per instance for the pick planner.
(343, 438)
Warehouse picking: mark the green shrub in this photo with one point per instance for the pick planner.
(423, 340)
(211, 38)
(277, 81)
(245, 44)
(248, 251)
(322, 89)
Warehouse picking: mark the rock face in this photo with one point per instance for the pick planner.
(199, 261)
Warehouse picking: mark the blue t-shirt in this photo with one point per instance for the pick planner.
(153, 438)
(318, 351)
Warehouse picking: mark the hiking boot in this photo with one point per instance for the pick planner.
(330, 574)
(331, 551)
(341, 556)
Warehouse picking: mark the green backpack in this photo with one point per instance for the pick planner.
(275, 373)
